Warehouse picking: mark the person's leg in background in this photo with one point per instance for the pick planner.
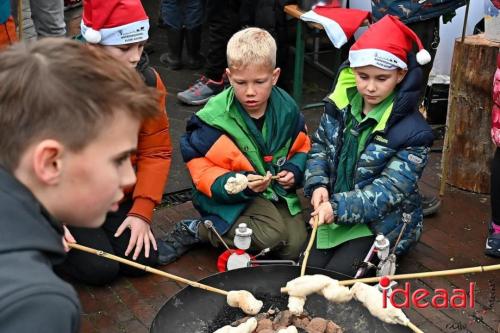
(493, 240)
(172, 17)
(271, 225)
(48, 17)
(223, 22)
(86, 267)
(91, 269)
(120, 243)
(193, 11)
(344, 258)
(428, 32)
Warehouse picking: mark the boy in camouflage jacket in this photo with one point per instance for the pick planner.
(370, 150)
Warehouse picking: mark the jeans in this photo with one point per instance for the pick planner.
(179, 14)
(48, 17)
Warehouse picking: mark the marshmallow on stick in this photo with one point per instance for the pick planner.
(236, 184)
(247, 327)
(372, 298)
(245, 301)
(305, 285)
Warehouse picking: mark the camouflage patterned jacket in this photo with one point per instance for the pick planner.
(387, 170)
(414, 11)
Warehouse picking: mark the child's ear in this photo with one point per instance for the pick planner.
(401, 74)
(47, 161)
(276, 75)
(228, 74)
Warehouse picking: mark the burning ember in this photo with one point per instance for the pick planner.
(275, 320)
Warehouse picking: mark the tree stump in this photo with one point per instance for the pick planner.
(468, 148)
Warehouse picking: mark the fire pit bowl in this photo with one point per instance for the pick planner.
(195, 310)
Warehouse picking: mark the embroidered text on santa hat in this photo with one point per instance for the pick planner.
(114, 22)
(339, 23)
(386, 45)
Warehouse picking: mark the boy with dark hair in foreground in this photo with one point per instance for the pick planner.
(65, 150)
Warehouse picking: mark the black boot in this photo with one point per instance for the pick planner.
(173, 56)
(181, 239)
(193, 43)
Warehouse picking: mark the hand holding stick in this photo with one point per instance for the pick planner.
(309, 246)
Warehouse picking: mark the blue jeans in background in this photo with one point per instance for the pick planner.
(178, 14)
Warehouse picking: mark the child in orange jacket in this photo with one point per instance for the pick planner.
(121, 29)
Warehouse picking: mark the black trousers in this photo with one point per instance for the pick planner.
(344, 258)
(223, 21)
(428, 32)
(495, 187)
(91, 269)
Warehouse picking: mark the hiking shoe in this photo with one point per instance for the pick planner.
(492, 243)
(201, 91)
(430, 205)
(181, 239)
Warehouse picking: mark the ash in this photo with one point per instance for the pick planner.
(275, 317)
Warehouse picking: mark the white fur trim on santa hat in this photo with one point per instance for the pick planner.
(92, 36)
(423, 57)
(375, 57)
(125, 34)
(332, 28)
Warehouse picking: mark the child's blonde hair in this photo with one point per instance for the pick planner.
(251, 46)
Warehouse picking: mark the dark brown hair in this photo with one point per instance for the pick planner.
(66, 91)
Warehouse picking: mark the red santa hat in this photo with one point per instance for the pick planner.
(339, 23)
(114, 22)
(386, 45)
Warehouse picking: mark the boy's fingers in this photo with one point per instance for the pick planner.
(146, 246)
(153, 240)
(131, 244)
(120, 229)
(138, 247)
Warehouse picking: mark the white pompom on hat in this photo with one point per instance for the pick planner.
(114, 22)
(386, 45)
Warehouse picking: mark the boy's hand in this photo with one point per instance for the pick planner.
(67, 238)
(140, 235)
(286, 180)
(257, 183)
(324, 213)
(319, 196)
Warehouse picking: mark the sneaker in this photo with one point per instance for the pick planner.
(201, 91)
(492, 243)
(181, 239)
(430, 205)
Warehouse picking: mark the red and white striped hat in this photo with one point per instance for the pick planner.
(386, 45)
(114, 22)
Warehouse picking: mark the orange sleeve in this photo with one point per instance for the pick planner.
(8, 33)
(224, 156)
(302, 144)
(152, 160)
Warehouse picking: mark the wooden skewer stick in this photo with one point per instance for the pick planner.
(477, 269)
(414, 328)
(309, 246)
(258, 179)
(147, 268)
